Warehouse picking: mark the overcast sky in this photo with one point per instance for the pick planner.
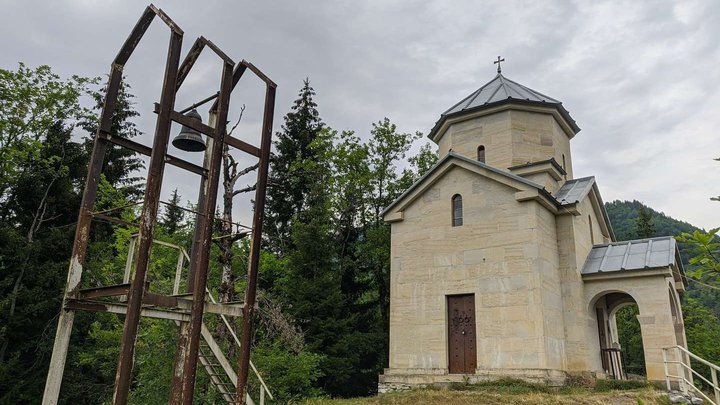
(641, 78)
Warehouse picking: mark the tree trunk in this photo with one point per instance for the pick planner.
(227, 278)
(227, 283)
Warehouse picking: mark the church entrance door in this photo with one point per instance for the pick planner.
(461, 334)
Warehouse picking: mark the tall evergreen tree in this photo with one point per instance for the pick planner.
(39, 201)
(643, 226)
(173, 215)
(290, 184)
(40, 168)
(121, 164)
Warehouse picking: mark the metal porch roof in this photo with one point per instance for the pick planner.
(632, 255)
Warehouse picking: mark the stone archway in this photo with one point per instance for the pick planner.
(611, 354)
(660, 317)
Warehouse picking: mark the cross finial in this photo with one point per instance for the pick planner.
(497, 62)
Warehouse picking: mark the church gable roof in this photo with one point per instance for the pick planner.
(498, 91)
(453, 159)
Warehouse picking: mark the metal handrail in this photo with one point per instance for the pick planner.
(685, 368)
(176, 287)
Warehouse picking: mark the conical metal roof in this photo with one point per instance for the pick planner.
(499, 89)
(502, 90)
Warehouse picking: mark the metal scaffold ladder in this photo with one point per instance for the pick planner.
(211, 357)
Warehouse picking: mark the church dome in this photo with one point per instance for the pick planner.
(499, 91)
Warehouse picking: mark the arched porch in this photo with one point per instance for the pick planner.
(660, 319)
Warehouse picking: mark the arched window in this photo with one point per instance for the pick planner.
(457, 213)
(481, 154)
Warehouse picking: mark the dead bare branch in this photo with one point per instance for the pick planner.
(245, 190)
(245, 171)
(242, 110)
(278, 324)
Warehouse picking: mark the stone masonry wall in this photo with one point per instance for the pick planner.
(494, 255)
(511, 138)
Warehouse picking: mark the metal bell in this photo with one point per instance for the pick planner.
(189, 139)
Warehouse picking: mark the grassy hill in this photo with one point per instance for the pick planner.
(512, 392)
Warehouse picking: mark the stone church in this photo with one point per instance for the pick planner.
(503, 264)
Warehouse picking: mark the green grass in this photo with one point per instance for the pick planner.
(510, 391)
(610, 385)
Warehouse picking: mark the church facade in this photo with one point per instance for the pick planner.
(503, 264)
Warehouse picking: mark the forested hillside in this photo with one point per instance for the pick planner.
(322, 322)
(324, 278)
(624, 216)
(701, 302)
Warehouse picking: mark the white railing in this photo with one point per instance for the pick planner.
(176, 289)
(680, 358)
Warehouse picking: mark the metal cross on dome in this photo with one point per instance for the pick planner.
(497, 62)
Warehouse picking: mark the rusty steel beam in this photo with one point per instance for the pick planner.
(182, 342)
(167, 20)
(199, 103)
(122, 309)
(188, 122)
(189, 61)
(135, 36)
(82, 235)
(205, 224)
(208, 130)
(237, 75)
(147, 151)
(148, 219)
(160, 300)
(105, 291)
(259, 74)
(258, 217)
(118, 221)
(219, 53)
(243, 146)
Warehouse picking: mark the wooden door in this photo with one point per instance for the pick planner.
(462, 354)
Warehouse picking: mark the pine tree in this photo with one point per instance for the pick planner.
(643, 226)
(121, 164)
(289, 183)
(173, 215)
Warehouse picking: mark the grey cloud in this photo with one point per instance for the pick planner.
(640, 77)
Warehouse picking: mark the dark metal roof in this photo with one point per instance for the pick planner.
(552, 161)
(574, 190)
(502, 90)
(633, 255)
(498, 89)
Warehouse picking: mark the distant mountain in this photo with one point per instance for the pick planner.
(623, 217)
